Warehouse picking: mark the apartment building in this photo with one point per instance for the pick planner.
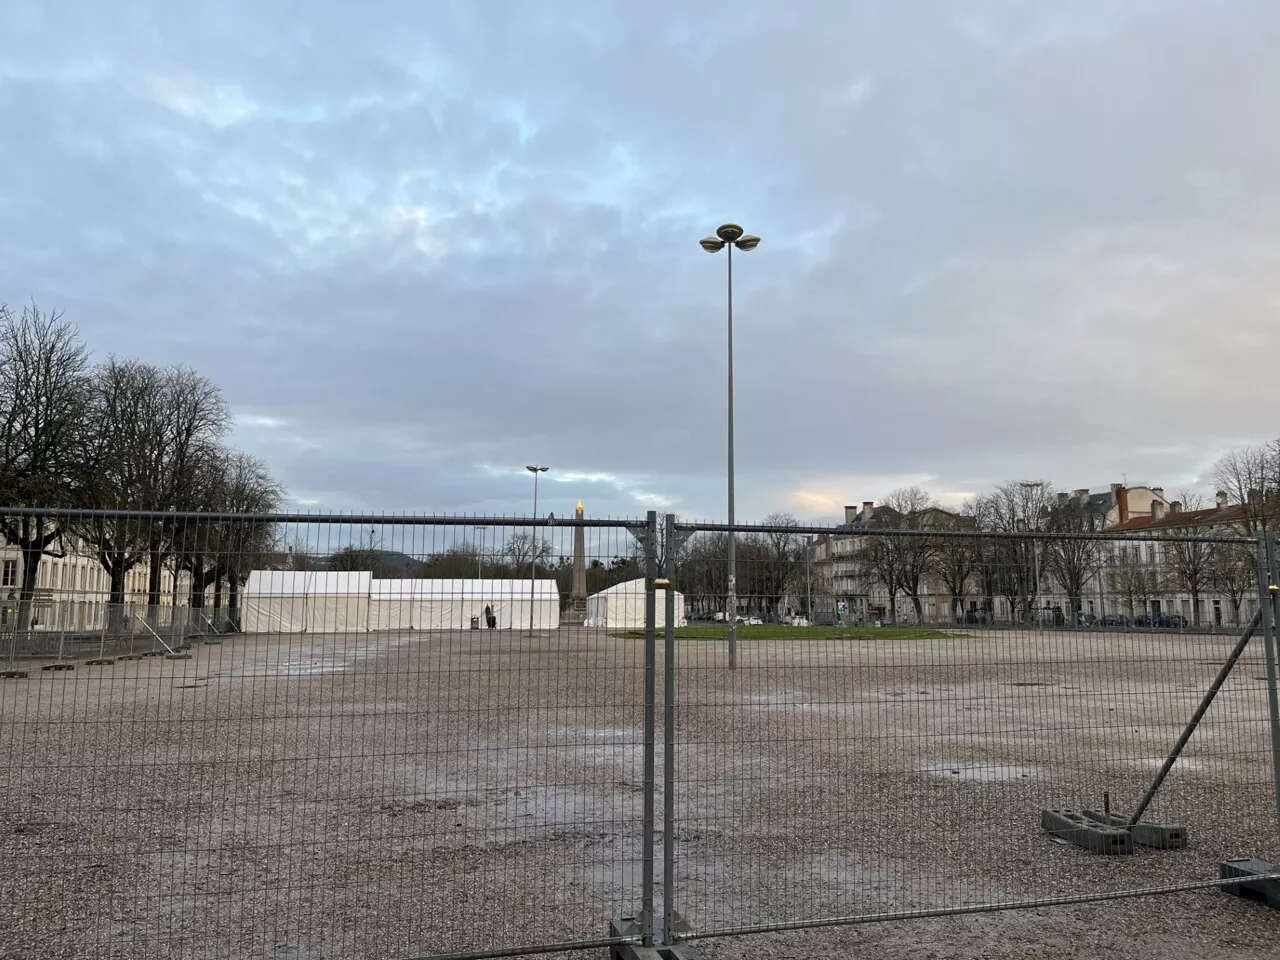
(73, 591)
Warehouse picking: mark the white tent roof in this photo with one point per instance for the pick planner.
(294, 583)
(465, 589)
(627, 586)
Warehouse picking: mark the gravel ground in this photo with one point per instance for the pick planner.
(400, 795)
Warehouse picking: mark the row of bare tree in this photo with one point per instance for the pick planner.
(121, 434)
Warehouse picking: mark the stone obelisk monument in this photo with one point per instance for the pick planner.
(578, 588)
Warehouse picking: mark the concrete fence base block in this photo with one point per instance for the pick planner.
(1161, 836)
(100, 662)
(211, 641)
(177, 656)
(152, 653)
(630, 927)
(1074, 827)
(129, 656)
(1262, 891)
(13, 674)
(60, 665)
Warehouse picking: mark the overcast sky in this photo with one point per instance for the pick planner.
(423, 243)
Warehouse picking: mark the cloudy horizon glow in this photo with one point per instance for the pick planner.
(421, 245)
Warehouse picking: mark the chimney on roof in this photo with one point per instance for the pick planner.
(1121, 495)
(850, 514)
(1157, 509)
(1158, 491)
(1082, 494)
(1222, 499)
(1255, 497)
(866, 509)
(1175, 507)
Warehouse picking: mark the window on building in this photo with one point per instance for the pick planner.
(10, 575)
(57, 576)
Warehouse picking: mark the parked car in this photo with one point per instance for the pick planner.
(1114, 620)
(1086, 619)
(1142, 620)
(1172, 621)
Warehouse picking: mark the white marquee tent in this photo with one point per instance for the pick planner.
(622, 607)
(451, 604)
(306, 601)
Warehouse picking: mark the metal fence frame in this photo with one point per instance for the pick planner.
(660, 922)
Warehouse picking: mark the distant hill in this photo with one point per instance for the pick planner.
(383, 564)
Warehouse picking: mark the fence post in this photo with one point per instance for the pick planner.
(669, 738)
(1269, 611)
(650, 670)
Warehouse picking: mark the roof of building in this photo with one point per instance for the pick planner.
(1210, 517)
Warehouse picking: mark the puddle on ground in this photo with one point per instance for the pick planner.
(981, 772)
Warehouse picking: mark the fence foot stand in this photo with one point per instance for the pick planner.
(1161, 836)
(1263, 891)
(1074, 827)
(100, 662)
(630, 927)
(59, 665)
(13, 674)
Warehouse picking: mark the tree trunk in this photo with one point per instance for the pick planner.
(1195, 607)
(233, 594)
(31, 545)
(154, 559)
(217, 593)
(116, 571)
(893, 607)
(915, 602)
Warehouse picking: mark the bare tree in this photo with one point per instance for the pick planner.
(43, 401)
(1022, 508)
(956, 559)
(1134, 573)
(771, 563)
(1074, 561)
(1250, 476)
(1190, 562)
(526, 552)
(1232, 572)
(912, 509)
(702, 574)
(154, 430)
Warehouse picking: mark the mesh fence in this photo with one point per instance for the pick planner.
(308, 736)
(320, 736)
(894, 729)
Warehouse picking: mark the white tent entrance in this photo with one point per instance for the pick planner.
(621, 607)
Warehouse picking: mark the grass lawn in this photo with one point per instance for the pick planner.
(778, 631)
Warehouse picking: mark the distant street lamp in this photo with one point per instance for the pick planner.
(533, 545)
(730, 235)
(479, 529)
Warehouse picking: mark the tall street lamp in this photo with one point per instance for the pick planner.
(728, 236)
(533, 545)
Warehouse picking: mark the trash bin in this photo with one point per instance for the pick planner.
(475, 623)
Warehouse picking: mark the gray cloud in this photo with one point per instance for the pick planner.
(424, 243)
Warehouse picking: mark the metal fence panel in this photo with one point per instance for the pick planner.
(897, 762)
(326, 736)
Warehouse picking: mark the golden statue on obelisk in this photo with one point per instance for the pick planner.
(578, 588)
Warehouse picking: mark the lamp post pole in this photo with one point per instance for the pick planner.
(533, 544)
(480, 528)
(731, 235)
